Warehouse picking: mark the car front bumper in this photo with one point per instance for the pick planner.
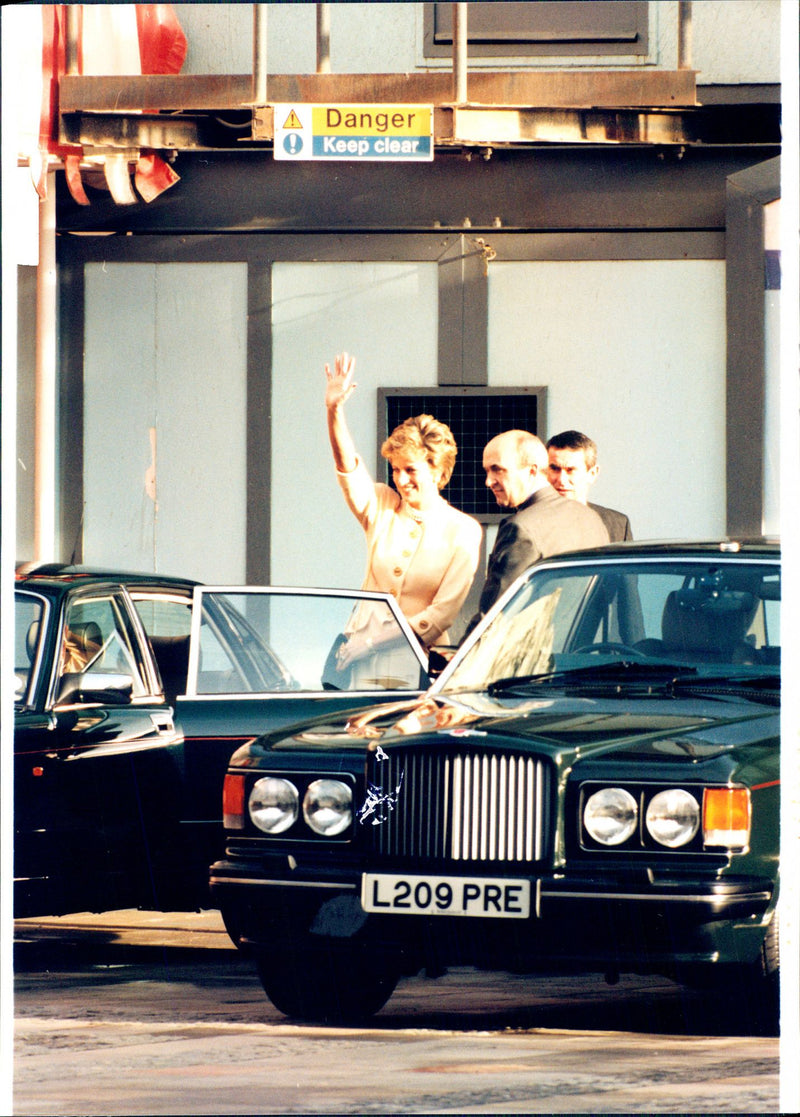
(576, 922)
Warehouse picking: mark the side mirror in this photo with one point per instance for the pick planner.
(103, 688)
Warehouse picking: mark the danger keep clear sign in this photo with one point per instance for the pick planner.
(357, 132)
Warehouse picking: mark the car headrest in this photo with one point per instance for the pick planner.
(31, 639)
(87, 637)
(703, 620)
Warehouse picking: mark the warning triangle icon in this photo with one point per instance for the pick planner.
(293, 120)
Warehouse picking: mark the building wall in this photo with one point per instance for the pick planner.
(633, 354)
(631, 350)
(733, 40)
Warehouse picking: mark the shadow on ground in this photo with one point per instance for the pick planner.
(461, 1000)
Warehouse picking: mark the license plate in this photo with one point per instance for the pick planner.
(484, 897)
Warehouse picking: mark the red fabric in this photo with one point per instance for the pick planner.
(72, 172)
(162, 43)
(162, 50)
(153, 176)
(53, 66)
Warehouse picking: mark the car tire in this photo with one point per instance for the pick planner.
(754, 988)
(335, 985)
(763, 979)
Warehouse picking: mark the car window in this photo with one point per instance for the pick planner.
(769, 616)
(254, 641)
(96, 640)
(708, 615)
(167, 620)
(29, 612)
(163, 614)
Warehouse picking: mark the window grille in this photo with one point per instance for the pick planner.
(474, 415)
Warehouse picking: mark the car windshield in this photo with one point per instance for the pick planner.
(691, 617)
(254, 641)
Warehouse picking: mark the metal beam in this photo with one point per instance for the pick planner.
(463, 312)
(123, 130)
(107, 132)
(588, 187)
(454, 126)
(747, 194)
(544, 89)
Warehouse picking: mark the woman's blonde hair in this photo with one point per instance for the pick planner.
(426, 436)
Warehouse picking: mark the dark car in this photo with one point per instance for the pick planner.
(592, 785)
(132, 691)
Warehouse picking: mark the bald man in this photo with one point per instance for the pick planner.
(543, 523)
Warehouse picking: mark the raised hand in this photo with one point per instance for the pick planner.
(340, 384)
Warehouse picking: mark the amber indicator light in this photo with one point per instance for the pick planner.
(233, 802)
(726, 810)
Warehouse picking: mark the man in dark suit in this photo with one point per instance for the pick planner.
(542, 524)
(572, 470)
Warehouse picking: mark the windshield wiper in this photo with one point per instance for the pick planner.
(762, 686)
(623, 670)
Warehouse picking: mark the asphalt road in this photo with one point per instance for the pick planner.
(147, 1013)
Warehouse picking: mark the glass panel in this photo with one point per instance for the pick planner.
(96, 641)
(165, 391)
(385, 314)
(252, 642)
(672, 308)
(28, 614)
(167, 622)
(164, 616)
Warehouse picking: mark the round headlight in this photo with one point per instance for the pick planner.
(610, 816)
(274, 804)
(328, 807)
(673, 817)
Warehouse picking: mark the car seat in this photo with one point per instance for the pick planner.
(709, 625)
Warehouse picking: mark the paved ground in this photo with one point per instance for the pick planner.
(146, 1013)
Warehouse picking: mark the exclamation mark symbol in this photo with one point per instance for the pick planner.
(292, 142)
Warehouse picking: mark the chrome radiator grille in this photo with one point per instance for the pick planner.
(460, 806)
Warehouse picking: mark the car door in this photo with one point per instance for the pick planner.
(96, 754)
(263, 658)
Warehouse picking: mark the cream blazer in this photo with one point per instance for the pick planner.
(426, 560)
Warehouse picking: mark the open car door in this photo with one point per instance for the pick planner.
(258, 659)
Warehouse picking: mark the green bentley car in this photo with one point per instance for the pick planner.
(592, 785)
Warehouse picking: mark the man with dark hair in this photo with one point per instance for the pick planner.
(542, 524)
(572, 470)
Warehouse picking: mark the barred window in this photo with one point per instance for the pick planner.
(474, 415)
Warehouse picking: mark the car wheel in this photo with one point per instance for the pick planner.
(762, 979)
(336, 985)
(754, 989)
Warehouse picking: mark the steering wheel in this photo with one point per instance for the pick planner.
(610, 647)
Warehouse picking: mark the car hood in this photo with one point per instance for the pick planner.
(696, 726)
